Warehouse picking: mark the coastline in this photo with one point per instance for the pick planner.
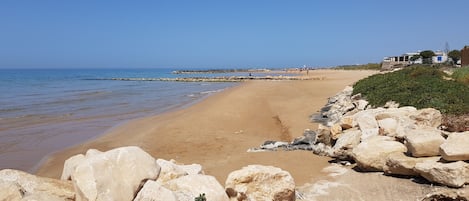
(217, 131)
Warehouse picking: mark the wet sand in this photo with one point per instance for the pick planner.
(217, 131)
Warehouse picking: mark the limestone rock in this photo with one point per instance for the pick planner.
(69, 166)
(456, 147)
(324, 135)
(347, 122)
(361, 104)
(367, 124)
(188, 187)
(10, 191)
(424, 142)
(427, 117)
(448, 194)
(348, 140)
(454, 174)
(399, 164)
(371, 154)
(257, 182)
(336, 131)
(388, 125)
(308, 138)
(33, 186)
(170, 170)
(154, 191)
(113, 175)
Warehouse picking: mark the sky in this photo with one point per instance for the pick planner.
(223, 34)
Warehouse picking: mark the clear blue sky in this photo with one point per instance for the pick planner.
(223, 34)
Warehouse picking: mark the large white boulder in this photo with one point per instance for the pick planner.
(257, 182)
(371, 154)
(154, 191)
(424, 142)
(388, 126)
(113, 175)
(348, 140)
(427, 117)
(69, 166)
(187, 188)
(367, 123)
(454, 174)
(14, 183)
(456, 147)
(170, 170)
(400, 164)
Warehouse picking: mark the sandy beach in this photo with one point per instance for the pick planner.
(217, 131)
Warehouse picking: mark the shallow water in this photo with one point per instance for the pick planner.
(42, 111)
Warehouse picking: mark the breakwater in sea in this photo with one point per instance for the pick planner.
(217, 79)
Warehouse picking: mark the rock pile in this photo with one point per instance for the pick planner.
(391, 139)
(129, 173)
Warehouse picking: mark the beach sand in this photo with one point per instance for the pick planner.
(217, 131)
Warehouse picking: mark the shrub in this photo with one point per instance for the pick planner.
(461, 75)
(419, 86)
(201, 197)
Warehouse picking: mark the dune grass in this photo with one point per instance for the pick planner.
(418, 86)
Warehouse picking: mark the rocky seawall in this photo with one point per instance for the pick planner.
(402, 142)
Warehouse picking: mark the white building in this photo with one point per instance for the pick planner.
(440, 57)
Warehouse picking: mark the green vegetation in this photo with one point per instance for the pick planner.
(418, 86)
(455, 55)
(427, 56)
(369, 66)
(201, 197)
(461, 75)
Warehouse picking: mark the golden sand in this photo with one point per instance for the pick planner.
(217, 131)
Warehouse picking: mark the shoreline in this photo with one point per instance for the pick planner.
(216, 131)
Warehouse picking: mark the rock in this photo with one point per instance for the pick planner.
(336, 131)
(453, 174)
(10, 191)
(391, 104)
(113, 175)
(399, 164)
(322, 150)
(361, 104)
(427, 117)
(371, 154)
(273, 145)
(170, 170)
(347, 122)
(28, 185)
(367, 124)
(348, 140)
(404, 126)
(308, 138)
(257, 182)
(188, 187)
(69, 166)
(424, 142)
(154, 191)
(324, 135)
(388, 126)
(455, 147)
(448, 194)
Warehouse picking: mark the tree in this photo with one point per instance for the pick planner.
(455, 55)
(427, 56)
(415, 57)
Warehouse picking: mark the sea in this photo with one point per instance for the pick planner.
(46, 110)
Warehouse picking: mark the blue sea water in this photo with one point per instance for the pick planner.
(46, 110)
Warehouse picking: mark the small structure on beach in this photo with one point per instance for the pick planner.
(465, 56)
(440, 57)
